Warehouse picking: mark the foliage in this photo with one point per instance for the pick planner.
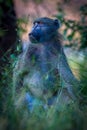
(75, 27)
(20, 22)
(83, 76)
(78, 64)
(8, 5)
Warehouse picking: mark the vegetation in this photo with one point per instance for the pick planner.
(74, 27)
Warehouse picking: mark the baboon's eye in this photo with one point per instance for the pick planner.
(39, 22)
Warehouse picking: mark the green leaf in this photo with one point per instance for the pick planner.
(65, 32)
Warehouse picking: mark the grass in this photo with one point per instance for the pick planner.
(68, 117)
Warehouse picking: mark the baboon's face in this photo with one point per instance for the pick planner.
(43, 29)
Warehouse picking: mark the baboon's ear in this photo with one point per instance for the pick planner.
(57, 23)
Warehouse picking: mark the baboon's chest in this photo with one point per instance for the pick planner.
(44, 60)
(43, 75)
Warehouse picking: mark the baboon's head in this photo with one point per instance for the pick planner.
(43, 29)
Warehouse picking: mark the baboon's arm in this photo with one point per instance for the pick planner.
(67, 78)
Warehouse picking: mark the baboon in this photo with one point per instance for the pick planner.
(42, 68)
